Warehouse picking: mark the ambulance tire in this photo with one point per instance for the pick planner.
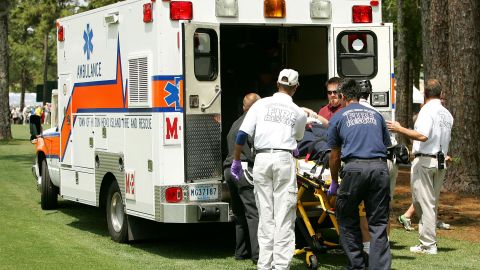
(116, 216)
(48, 192)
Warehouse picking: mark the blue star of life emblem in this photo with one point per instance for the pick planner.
(173, 91)
(88, 46)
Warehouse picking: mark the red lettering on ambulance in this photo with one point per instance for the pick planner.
(172, 129)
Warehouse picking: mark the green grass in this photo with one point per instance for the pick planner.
(75, 236)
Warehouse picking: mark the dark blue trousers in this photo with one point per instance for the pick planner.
(366, 180)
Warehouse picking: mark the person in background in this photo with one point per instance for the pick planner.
(431, 135)
(25, 115)
(276, 124)
(243, 199)
(334, 104)
(365, 92)
(406, 218)
(358, 136)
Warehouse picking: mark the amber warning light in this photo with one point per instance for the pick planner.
(274, 9)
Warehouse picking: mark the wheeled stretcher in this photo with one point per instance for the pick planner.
(316, 221)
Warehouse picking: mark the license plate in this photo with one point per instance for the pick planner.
(203, 192)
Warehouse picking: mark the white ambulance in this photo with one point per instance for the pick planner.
(147, 91)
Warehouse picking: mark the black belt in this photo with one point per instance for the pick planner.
(272, 150)
(347, 160)
(425, 155)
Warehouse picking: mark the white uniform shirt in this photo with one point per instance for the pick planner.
(434, 122)
(276, 121)
(365, 103)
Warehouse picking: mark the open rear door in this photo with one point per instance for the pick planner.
(367, 53)
(203, 102)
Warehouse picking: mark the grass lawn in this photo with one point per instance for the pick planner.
(75, 236)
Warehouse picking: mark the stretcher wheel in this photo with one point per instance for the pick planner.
(313, 262)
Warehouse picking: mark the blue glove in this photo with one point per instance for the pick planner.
(295, 152)
(332, 190)
(236, 169)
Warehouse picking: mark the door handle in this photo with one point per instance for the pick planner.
(218, 92)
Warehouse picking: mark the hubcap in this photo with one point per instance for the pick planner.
(116, 213)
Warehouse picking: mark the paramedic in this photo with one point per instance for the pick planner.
(276, 124)
(243, 200)
(365, 92)
(430, 146)
(334, 104)
(359, 136)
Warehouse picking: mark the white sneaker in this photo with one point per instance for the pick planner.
(432, 250)
(443, 225)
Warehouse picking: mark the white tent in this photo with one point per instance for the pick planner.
(30, 99)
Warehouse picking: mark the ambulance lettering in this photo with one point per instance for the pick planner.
(172, 128)
(130, 184)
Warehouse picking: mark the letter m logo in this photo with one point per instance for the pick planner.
(172, 128)
(172, 131)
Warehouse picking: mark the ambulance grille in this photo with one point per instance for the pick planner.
(203, 148)
(138, 81)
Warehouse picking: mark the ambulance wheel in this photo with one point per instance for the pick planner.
(116, 216)
(313, 262)
(48, 192)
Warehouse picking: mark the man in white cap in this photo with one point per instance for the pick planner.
(276, 124)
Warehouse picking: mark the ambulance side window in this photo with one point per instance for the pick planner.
(205, 54)
(357, 54)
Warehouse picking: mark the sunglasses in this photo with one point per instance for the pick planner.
(332, 92)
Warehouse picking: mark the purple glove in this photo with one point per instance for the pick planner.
(236, 169)
(296, 153)
(332, 190)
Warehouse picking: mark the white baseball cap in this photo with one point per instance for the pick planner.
(290, 74)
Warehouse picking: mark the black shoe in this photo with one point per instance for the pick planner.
(255, 261)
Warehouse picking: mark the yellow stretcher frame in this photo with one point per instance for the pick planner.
(321, 202)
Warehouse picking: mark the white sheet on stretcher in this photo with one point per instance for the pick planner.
(306, 167)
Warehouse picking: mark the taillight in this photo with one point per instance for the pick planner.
(60, 33)
(274, 9)
(181, 10)
(173, 194)
(374, 3)
(147, 13)
(362, 14)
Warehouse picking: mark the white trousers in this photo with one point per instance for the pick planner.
(426, 181)
(393, 172)
(276, 195)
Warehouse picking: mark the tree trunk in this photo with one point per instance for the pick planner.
(23, 86)
(463, 97)
(435, 41)
(5, 129)
(403, 72)
(45, 68)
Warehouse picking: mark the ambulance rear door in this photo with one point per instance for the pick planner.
(367, 53)
(201, 53)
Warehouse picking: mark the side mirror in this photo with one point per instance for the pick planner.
(35, 126)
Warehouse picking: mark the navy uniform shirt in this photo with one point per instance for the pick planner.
(360, 131)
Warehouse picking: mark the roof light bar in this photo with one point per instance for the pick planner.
(362, 14)
(181, 10)
(61, 33)
(226, 8)
(147, 13)
(320, 9)
(274, 9)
